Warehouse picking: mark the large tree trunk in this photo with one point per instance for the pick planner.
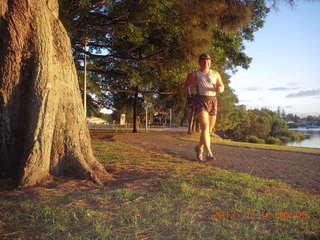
(42, 125)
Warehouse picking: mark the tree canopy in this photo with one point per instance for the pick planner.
(152, 45)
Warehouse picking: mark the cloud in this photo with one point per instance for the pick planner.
(293, 84)
(245, 100)
(253, 89)
(281, 88)
(287, 74)
(308, 93)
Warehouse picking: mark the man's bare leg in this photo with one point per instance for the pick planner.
(204, 131)
(212, 123)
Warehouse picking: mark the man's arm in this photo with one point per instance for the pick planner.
(220, 83)
(190, 80)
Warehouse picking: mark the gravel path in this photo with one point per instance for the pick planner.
(301, 170)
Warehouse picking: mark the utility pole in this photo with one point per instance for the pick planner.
(135, 106)
(170, 118)
(146, 118)
(146, 105)
(85, 43)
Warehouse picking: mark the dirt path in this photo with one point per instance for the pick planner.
(301, 170)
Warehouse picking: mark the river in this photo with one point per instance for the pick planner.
(312, 142)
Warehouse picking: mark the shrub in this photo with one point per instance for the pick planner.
(285, 133)
(261, 141)
(253, 139)
(296, 136)
(273, 140)
(285, 139)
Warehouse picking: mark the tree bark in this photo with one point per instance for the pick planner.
(42, 125)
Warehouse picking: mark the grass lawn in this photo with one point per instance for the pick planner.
(157, 196)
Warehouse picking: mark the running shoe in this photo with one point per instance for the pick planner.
(199, 153)
(211, 157)
(213, 152)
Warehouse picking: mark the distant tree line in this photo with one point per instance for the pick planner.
(295, 121)
(257, 126)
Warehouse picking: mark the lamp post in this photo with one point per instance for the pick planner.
(85, 43)
(146, 106)
(146, 118)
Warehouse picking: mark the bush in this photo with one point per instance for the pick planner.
(285, 133)
(285, 139)
(253, 139)
(273, 140)
(296, 136)
(261, 141)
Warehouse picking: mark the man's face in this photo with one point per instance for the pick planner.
(205, 63)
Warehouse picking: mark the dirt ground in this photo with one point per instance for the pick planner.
(301, 170)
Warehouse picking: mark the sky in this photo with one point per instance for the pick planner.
(285, 67)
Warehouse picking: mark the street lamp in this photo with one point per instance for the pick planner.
(146, 105)
(85, 43)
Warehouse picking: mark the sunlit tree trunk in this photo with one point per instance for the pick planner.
(42, 125)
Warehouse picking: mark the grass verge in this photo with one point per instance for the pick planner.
(157, 196)
(195, 137)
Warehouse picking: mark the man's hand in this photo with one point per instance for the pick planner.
(221, 89)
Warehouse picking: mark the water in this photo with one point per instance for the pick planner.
(312, 142)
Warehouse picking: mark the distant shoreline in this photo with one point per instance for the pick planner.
(316, 128)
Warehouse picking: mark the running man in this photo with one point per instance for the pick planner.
(207, 82)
